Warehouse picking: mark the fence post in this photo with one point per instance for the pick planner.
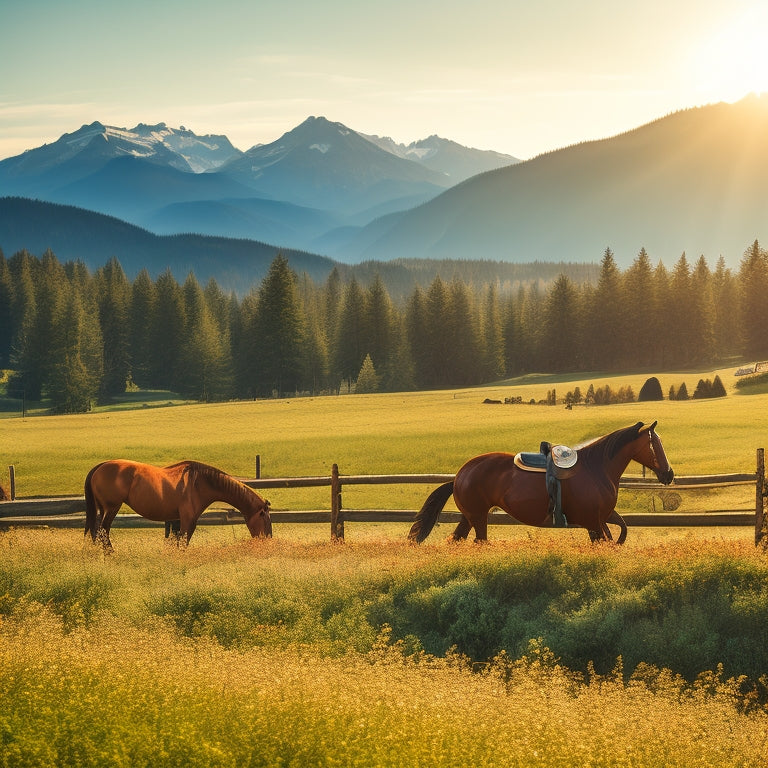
(337, 519)
(258, 466)
(12, 474)
(760, 497)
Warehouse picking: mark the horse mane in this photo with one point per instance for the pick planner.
(237, 493)
(612, 443)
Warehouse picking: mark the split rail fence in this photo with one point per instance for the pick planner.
(69, 511)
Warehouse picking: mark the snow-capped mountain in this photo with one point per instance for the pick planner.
(453, 160)
(309, 189)
(323, 164)
(79, 154)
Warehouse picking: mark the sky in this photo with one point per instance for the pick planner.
(518, 77)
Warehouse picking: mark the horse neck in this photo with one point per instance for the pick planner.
(221, 487)
(613, 463)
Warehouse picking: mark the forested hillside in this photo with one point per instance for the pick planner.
(77, 336)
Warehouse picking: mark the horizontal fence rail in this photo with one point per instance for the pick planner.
(68, 511)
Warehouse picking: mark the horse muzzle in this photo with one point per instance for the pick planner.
(666, 478)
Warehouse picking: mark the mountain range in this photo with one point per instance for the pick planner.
(692, 181)
(316, 183)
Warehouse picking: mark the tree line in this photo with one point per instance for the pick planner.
(76, 337)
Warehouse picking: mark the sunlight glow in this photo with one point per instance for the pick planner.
(734, 60)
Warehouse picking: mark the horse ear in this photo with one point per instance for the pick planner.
(653, 426)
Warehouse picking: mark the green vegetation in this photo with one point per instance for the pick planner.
(297, 652)
(416, 432)
(75, 338)
(376, 434)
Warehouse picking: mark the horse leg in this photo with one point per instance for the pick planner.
(474, 516)
(617, 519)
(173, 527)
(187, 523)
(106, 524)
(604, 534)
(462, 530)
(481, 529)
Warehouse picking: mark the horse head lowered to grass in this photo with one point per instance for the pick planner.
(494, 480)
(179, 492)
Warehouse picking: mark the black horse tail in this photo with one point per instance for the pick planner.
(91, 513)
(429, 512)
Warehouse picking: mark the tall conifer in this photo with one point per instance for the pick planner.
(281, 328)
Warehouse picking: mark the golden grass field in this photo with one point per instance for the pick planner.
(417, 432)
(299, 652)
(238, 652)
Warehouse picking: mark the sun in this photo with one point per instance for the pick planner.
(733, 61)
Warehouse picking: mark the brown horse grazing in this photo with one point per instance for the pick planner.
(588, 497)
(179, 492)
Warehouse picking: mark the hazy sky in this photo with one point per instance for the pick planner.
(518, 77)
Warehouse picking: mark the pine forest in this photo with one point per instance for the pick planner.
(77, 337)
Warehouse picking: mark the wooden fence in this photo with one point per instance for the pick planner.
(69, 511)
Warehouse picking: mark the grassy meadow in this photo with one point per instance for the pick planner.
(417, 432)
(298, 652)
(535, 649)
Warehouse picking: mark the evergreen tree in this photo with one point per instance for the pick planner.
(726, 326)
(218, 304)
(512, 333)
(607, 319)
(493, 332)
(560, 336)
(246, 346)
(440, 347)
(333, 297)
(661, 317)
(462, 332)
(378, 330)
(23, 312)
(142, 321)
(315, 355)
(91, 348)
(204, 362)
(753, 277)
(531, 330)
(167, 333)
(281, 329)
(50, 285)
(349, 346)
(702, 314)
(718, 390)
(69, 385)
(114, 293)
(682, 332)
(651, 390)
(6, 320)
(639, 306)
(703, 389)
(367, 379)
(415, 328)
(401, 375)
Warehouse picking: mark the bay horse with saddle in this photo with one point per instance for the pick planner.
(588, 490)
(180, 492)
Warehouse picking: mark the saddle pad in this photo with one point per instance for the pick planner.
(531, 462)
